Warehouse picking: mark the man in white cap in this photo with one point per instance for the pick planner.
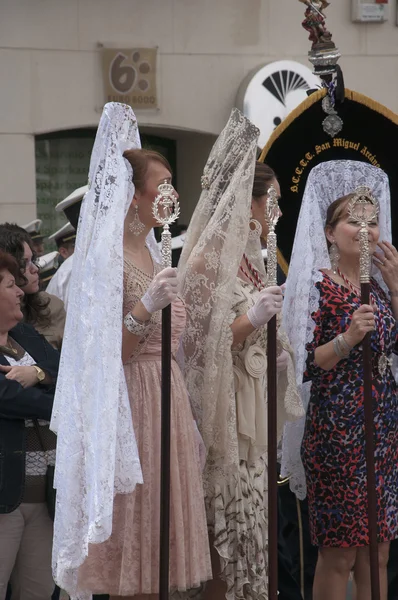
(59, 284)
(33, 228)
(47, 268)
(65, 239)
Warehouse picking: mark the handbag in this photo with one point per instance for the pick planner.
(50, 490)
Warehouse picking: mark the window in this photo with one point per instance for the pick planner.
(62, 164)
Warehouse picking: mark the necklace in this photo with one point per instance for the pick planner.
(252, 274)
(352, 286)
(384, 361)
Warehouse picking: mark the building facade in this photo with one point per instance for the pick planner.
(52, 95)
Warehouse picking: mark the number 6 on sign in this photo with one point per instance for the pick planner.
(130, 76)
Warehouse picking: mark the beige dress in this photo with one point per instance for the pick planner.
(128, 563)
(237, 508)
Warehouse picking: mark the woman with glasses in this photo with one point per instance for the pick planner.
(42, 310)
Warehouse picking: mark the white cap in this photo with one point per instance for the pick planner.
(33, 226)
(63, 234)
(75, 196)
(48, 261)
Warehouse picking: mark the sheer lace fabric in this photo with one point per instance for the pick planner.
(213, 248)
(97, 454)
(228, 388)
(326, 182)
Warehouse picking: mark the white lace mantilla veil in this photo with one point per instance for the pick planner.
(326, 183)
(209, 263)
(97, 454)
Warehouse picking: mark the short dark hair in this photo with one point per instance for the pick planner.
(8, 263)
(12, 238)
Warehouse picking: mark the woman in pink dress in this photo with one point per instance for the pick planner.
(126, 563)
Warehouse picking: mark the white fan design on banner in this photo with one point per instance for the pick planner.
(270, 93)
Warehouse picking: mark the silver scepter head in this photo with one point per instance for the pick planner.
(272, 214)
(166, 210)
(362, 209)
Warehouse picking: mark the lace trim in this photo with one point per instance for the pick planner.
(136, 283)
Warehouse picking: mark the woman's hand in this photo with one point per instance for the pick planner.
(26, 376)
(362, 322)
(282, 361)
(268, 304)
(387, 262)
(162, 290)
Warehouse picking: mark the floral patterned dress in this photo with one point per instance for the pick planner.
(237, 509)
(333, 449)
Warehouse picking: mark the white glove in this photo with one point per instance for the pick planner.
(269, 303)
(162, 290)
(282, 361)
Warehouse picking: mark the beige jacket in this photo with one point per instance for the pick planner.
(54, 332)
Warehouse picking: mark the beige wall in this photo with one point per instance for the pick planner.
(50, 68)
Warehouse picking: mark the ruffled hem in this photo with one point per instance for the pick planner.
(238, 517)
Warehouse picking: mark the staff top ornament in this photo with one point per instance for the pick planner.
(358, 206)
(363, 209)
(166, 210)
(323, 54)
(314, 22)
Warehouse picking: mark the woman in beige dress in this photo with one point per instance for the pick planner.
(126, 562)
(225, 342)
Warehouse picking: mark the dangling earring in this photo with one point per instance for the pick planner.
(136, 226)
(334, 257)
(255, 232)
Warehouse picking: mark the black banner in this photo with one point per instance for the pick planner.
(369, 134)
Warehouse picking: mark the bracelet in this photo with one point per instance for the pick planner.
(336, 348)
(343, 342)
(135, 326)
(340, 346)
(394, 294)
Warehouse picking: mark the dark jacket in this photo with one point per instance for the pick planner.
(18, 404)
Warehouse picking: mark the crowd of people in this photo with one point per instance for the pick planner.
(82, 395)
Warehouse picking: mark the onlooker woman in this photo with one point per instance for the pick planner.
(42, 310)
(28, 370)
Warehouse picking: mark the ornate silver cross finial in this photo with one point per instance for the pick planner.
(359, 213)
(166, 210)
(272, 214)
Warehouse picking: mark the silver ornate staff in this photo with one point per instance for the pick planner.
(363, 209)
(166, 210)
(272, 214)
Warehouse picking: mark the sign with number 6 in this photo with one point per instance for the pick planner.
(130, 76)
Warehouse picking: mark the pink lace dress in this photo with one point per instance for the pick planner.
(128, 563)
